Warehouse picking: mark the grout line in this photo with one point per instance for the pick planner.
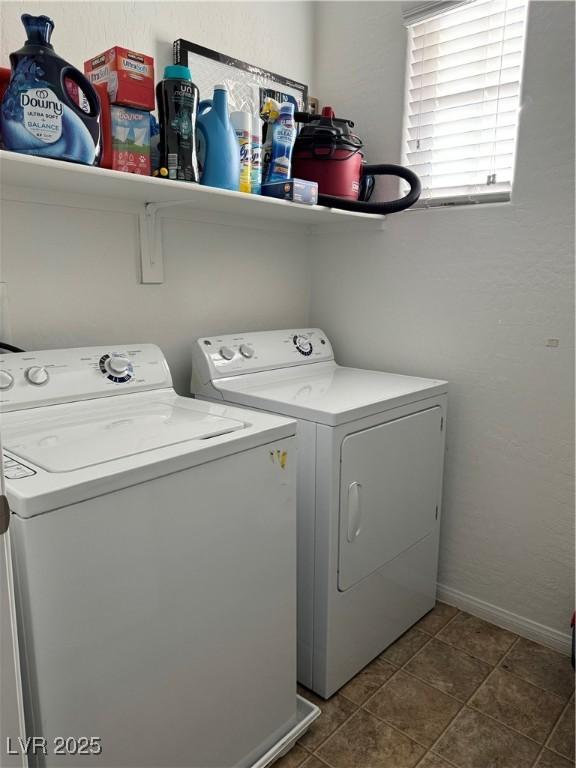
(465, 703)
(334, 732)
(554, 727)
(518, 677)
(397, 670)
(397, 667)
(462, 704)
(313, 749)
(444, 759)
(433, 634)
(316, 757)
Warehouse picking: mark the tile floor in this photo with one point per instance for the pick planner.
(453, 692)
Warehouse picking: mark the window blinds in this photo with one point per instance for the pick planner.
(463, 99)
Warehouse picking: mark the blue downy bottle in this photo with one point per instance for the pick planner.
(38, 115)
(283, 138)
(218, 146)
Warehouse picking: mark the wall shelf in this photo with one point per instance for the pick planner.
(152, 195)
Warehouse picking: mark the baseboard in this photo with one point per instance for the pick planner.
(532, 630)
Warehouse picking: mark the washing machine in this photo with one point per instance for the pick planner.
(370, 465)
(154, 560)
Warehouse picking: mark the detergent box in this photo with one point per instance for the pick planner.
(128, 75)
(295, 190)
(125, 137)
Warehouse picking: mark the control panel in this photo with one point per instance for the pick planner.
(31, 379)
(216, 357)
(14, 470)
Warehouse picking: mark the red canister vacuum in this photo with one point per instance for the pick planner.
(326, 151)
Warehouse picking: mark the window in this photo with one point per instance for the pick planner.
(463, 98)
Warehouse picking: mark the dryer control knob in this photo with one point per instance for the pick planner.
(227, 353)
(37, 375)
(246, 351)
(118, 364)
(6, 380)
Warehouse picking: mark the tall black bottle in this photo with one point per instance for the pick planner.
(38, 115)
(177, 98)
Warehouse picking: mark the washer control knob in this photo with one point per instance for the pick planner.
(227, 353)
(303, 345)
(6, 380)
(246, 351)
(118, 364)
(37, 375)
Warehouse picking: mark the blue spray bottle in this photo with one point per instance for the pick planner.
(38, 116)
(218, 147)
(283, 138)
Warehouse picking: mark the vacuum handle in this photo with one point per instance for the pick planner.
(390, 206)
(308, 117)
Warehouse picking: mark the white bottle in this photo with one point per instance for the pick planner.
(242, 123)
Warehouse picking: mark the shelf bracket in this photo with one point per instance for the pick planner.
(151, 258)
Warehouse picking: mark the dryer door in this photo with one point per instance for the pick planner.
(390, 484)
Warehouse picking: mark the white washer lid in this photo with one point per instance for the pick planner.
(62, 438)
(327, 393)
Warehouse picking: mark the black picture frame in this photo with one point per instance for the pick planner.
(182, 48)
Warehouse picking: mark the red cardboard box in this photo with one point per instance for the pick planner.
(128, 75)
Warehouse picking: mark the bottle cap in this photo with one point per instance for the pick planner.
(38, 28)
(242, 121)
(177, 72)
(220, 87)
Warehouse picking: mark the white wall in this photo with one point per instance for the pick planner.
(471, 295)
(72, 274)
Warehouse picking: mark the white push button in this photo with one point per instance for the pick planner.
(37, 375)
(6, 380)
(227, 353)
(246, 351)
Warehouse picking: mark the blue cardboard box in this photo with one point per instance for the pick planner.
(295, 190)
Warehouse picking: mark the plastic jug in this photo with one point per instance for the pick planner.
(218, 152)
(38, 115)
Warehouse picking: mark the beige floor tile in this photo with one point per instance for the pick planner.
(334, 712)
(292, 759)
(366, 742)
(562, 738)
(416, 709)
(541, 666)
(431, 760)
(405, 647)
(476, 741)
(551, 760)
(438, 617)
(478, 638)
(519, 704)
(367, 682)
(448, 669)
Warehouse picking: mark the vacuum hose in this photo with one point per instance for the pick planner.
(391, 206)
(9, 348)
